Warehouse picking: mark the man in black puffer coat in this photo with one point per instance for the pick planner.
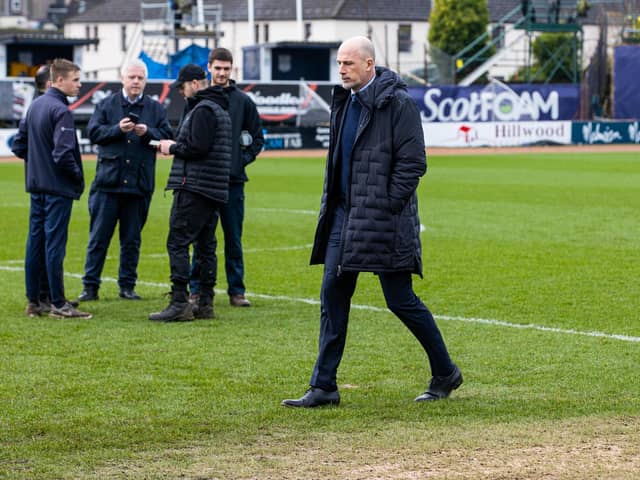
(199, 179)
(368, 218)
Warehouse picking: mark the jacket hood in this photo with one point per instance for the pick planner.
(386, 84)
(214, 94)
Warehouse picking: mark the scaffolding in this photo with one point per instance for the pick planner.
(165, 25)
(531, 18)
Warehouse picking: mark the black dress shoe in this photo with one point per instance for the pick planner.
(129, 294)
(315, 397)
(88, 295)
(441, 387)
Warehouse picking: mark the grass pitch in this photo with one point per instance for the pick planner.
(531, 268)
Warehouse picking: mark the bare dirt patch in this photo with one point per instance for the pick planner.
(577, 449)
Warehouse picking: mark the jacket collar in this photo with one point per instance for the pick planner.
(59, 94)
(378, 93)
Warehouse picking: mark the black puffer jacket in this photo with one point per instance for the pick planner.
(382, 228)
(244, 116)
(203, 147)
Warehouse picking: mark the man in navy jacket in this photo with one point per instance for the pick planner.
(122, 126)
(47, 141)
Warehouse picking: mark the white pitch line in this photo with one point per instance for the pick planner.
(279, 249)
(287, 210)
(164, 255)
(305, 212)
(371, 308)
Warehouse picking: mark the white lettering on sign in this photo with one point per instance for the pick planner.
(505, 106)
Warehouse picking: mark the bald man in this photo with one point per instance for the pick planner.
(368, 218)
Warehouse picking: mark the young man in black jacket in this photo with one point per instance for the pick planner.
(199, 179)
(247, 142)
(47, 141)
(122, 125)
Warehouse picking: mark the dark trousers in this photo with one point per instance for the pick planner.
(46, 245)
(192, 222)
(231, 220)
(106, 210)
(335, 298)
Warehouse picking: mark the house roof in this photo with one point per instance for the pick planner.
(410, 10)
(125, 11)
(101, 11)
(40, 37)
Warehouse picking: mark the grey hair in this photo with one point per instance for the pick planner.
(136, 62)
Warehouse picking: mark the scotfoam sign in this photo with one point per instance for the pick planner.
(498, 103)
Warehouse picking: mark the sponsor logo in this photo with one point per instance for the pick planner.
(485, 106)
(591, 134)
(496, 134)
(281, 141)
(634, 132)
(285, 102)
(322, 136)
(528, 130)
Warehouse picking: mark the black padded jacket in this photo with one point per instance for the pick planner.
(202, 152)
(382, 228)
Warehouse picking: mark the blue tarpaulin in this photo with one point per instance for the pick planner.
(192, 54)
(156, 70)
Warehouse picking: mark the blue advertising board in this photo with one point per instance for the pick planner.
(498, 102)
(626, 71)
(591, 133)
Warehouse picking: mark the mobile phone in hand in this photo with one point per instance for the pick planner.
(134, 117)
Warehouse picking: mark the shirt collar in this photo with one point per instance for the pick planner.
(126, 98)
(365, 87)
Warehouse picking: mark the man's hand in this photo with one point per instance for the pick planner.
(126, 125)
(140, 129)
(165, 145)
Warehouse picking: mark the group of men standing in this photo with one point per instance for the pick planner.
(368, 219)
(129, 127)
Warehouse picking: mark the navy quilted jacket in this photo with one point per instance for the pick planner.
(382, 228)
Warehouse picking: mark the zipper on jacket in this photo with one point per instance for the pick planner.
(361, 126)
(342, 234)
